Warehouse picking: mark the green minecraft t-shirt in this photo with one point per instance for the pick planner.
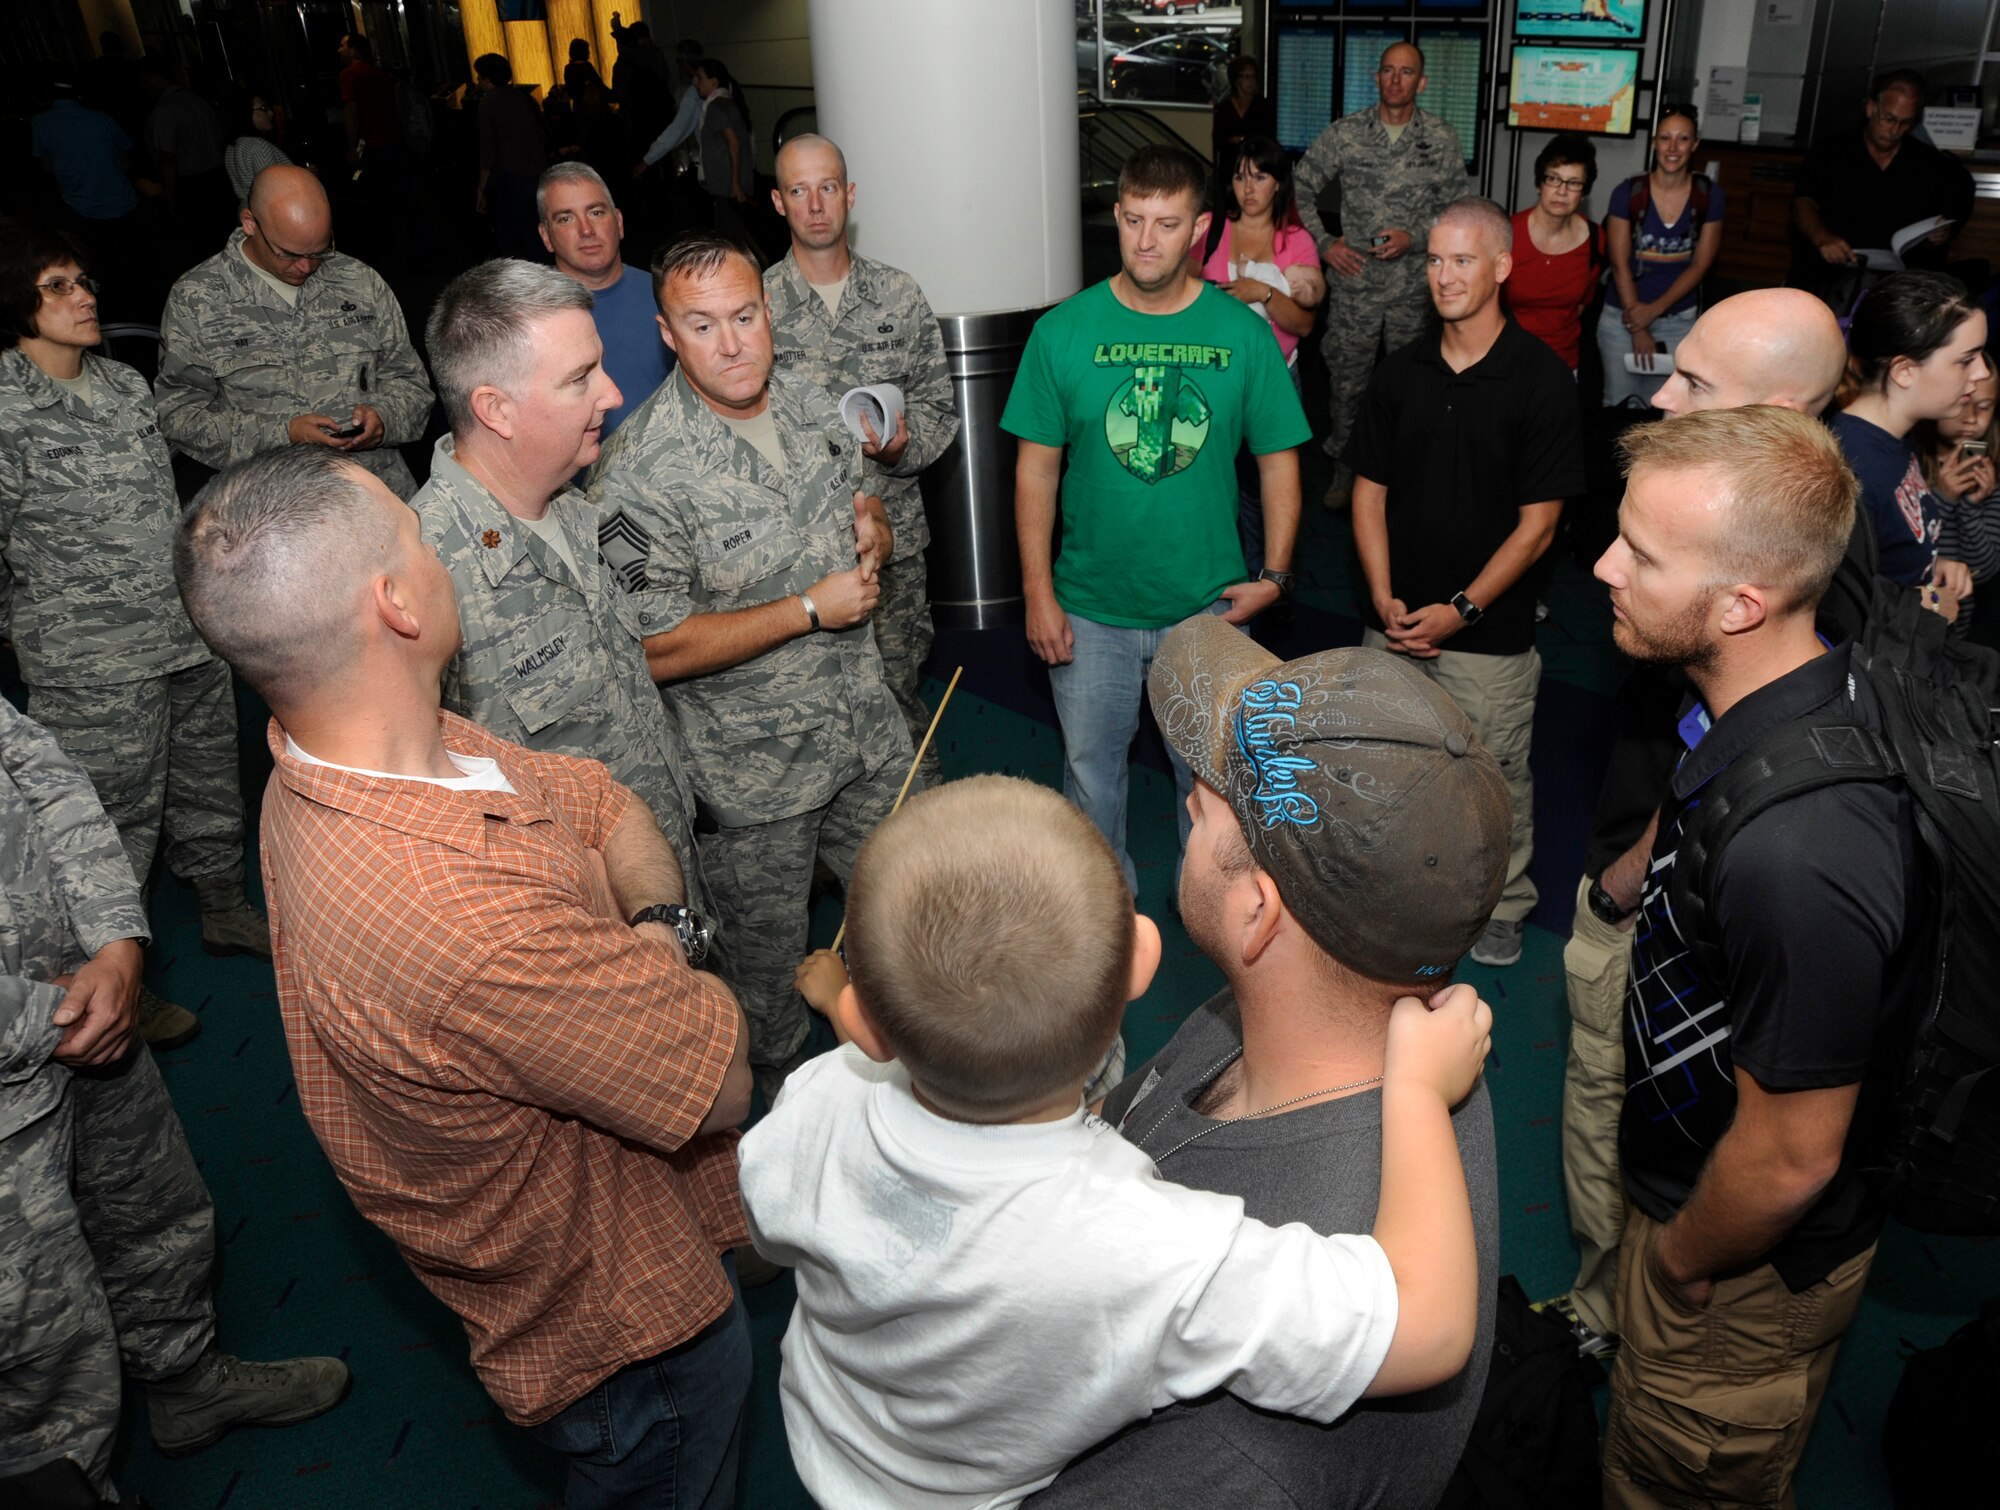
(1151, 409)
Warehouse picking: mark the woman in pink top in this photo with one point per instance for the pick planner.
(1261, 254)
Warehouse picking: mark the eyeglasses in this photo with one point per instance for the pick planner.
(62, 288)
(319, 256)
(1557, 181)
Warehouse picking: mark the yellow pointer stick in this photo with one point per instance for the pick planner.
(913, 774)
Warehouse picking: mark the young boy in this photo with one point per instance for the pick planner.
(990, 1279)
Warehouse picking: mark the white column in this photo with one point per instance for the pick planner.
(959, 125)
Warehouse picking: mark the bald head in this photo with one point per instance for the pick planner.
(288, 225)
(1777, 346)
(808, 147)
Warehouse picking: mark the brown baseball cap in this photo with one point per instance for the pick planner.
(1360, 785)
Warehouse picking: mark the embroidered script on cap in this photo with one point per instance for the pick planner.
(1267, 715)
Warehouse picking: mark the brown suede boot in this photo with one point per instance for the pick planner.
(229, 924)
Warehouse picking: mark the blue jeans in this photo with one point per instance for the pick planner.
(1097, 702)
(664, 1433)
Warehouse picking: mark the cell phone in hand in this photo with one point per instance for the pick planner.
(1972, 447)
(1382, 240)
(344, 432)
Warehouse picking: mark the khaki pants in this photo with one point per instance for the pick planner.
(1713, 1407)
(1497, 693)
(1596, 961)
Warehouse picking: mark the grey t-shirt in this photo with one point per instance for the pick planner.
(1321, 1165)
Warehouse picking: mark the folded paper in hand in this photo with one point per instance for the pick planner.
(1890, 260)
(879, 404)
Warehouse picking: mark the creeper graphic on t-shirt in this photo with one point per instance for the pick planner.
(1158, 398)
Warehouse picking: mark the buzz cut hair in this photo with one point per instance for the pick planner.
(481, 330)
(1484, 216)
(568, 173)
(270, 557)
(990, 938)
(1791, 496)
(1160, 171)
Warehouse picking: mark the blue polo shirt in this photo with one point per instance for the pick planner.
(635, 356)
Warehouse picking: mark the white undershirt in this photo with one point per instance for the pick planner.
(482, 772)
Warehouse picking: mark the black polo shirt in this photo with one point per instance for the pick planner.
(1865, 205)
(1819, 907)
(1461, 453)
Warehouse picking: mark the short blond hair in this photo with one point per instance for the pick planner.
(990, 939)
(1791, 493)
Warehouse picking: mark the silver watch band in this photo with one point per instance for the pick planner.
(812, 610)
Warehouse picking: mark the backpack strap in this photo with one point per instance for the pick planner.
(1786, 762)
(1638, 198)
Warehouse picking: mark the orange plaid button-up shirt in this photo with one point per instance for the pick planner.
(507, 1080)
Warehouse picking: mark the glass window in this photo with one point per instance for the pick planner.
(1156, 52)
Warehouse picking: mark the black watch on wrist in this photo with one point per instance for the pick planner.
(1285, 581)
(1468, 610)
(1604, 907)
(688, 926)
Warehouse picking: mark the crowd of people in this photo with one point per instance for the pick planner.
(562, 733)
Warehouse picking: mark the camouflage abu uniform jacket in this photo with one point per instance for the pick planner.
(66, 890)
(1402, 183)
(87, 521)
(549, 661)
(240, 365)
(885, 333)
(694, 521)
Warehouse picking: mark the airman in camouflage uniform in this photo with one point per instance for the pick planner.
(881, 330)
(244, 361)
(114, 669)
(1387, 186)
(107, 1234)
(797, 750)
(551, 657)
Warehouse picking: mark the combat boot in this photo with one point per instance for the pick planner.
(193, 1409)
(229, 924)
(164, 1024)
